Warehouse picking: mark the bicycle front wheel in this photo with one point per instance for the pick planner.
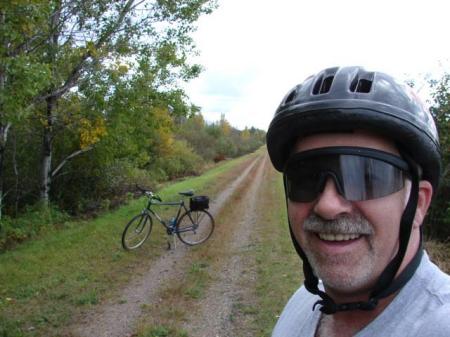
(195, 227)
(136, 231)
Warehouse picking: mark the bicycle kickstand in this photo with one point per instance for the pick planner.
(169, 246)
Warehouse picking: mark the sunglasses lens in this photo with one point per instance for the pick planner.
(367, 178)
(304, 180)
(357, 177)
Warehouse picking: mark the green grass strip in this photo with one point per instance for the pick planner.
(278, 265)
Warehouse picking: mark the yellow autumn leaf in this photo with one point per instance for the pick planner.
(91, 132)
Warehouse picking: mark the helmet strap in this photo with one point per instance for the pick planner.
(387, 284)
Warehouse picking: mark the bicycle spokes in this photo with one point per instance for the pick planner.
(195, 227)
(136, 231)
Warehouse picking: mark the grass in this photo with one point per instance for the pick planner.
(45, 282)
(196, 281)
(181, 298)
(278, 268)
(176, 301)
(164, 331)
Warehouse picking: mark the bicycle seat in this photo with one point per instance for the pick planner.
(187, 193)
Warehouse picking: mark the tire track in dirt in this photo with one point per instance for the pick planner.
(117, 318)
(215, 316)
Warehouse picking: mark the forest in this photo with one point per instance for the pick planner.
(92, 103)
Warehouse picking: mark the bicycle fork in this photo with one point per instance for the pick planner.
(170, 233)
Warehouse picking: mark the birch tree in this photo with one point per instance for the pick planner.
(22, 75)
(85, 37)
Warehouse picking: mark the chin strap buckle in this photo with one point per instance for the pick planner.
(329, 307)
(369, 305)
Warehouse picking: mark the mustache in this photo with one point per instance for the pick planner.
(345, 224)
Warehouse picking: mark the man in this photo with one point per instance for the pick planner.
(360, 159)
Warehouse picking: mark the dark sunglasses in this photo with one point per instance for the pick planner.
(359, 173)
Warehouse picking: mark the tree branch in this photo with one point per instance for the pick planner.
(69, 157)
(76, 71)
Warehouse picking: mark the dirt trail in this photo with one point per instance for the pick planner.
(216, 316)
(117, 318)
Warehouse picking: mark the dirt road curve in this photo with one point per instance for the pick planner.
(216, 307)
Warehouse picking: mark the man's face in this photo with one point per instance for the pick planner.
(348, 243)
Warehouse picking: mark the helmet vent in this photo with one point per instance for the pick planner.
(362, 83)
(290, 97)
(322, 86)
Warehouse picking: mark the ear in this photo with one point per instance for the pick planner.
(423, 203)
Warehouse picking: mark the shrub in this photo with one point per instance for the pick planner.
(439, 254)
(182, 161)
(32, 222)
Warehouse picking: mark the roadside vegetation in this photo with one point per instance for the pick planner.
(48, 280)
(439, 215)
(92, 186)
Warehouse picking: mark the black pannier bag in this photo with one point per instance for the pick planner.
(199, 202)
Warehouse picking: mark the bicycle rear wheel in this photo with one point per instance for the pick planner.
(136, 231)
(195, 227)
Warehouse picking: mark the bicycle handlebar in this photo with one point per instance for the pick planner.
(149, 193)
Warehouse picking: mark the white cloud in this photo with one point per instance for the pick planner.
(254, 51)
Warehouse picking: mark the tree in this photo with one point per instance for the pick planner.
(80, 39)
(440, 211)
(22, 75)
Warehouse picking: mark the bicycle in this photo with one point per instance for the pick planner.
(192, 227)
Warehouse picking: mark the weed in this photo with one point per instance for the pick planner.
(163, 331)
(88, 298)
(10, 328)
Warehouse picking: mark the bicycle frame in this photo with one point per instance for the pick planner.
(181, 206)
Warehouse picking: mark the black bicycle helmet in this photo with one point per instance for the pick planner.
(350, 98)
(340, 99)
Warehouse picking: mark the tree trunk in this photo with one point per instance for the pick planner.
(4, 126)
(3, 137)
(16, 175)
(47, 150)
(47, 138)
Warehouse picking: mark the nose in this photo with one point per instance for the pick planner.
(330, 204)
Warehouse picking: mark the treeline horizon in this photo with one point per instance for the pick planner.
(146, 150)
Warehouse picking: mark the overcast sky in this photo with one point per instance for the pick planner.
(254, 51)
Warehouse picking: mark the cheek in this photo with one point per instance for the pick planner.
(384, 214)
(298, 212)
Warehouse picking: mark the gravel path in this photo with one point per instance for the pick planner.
(117, 318)
(216, 317)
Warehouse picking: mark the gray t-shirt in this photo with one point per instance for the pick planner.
(422, 308)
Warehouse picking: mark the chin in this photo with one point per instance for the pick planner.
(345, 279)
(347, 284)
